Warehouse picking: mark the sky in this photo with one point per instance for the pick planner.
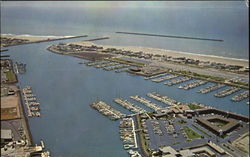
(125, 4)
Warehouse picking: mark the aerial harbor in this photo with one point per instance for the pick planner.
(125, 79)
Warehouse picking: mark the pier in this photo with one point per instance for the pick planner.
(240, 96)
(119, 66)
(146, 102)
(164, 99)
(168, 77)
(107, 110)
(122, 70)
(127, 133)
(155, 76)
(128, 105)
(211, 88)
(193, 84)
(227, 92)
(177, 81)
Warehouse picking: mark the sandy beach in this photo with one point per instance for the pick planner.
(31, 38)
(201, 57)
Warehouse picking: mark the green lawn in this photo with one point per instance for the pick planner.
(194, 107)
(10, 76)
(127, 61)
(191, 134)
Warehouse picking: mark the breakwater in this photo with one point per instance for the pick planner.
(171, 36)
(97, 39)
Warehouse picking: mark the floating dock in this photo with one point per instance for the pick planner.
(107, 110)
(146, 102)
(240, 96)
(227, 92)
(168, 77)
(30, 101)
(177, 81)
(119, 66)
(163, 99)
(155, 76)
(193, 84)
(211, 88)
(128, 105)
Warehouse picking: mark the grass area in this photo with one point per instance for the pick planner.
(194, 107)
(215, 78)
(209, 77)
(142, 137)
(219, 123)
(241, 83)
(191, 134)
(10, 76)
(204, 132)
(120, 60)
(181, 121)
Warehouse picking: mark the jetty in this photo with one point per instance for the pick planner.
(170, 36)
(227, 92)
(128, 105)
(103, 38)
(193, 84)
(107, 110)
(146, 102)
(211, 88)
(240, 96)
(177, 81)
(164, 99)
(168, 77)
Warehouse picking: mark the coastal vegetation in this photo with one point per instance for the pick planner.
(194, 107)
(120, 60)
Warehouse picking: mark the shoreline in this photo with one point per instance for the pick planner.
(173, 53)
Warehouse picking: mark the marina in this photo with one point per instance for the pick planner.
(122, 70)
(241, 96)
(211, 88)
(193, 84)
(177, 81)
(161, 79)
(146, 102)
(33, 107)
(128, 105)
(227, 92)
(107, 110)
(164, 99)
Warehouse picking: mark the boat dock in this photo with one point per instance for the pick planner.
(30, 101)
(107, 110)
(122, 70)
(227, 92)
(155, 76)
(164, 78)
(146, 102)
(119, 66)
(241, 96)
(193, 84)
(92, 63)
(163, 99)
(128, 105)
(177, 81)
(127, 133)
(211, 88)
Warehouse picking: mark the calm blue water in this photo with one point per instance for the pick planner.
(69, 127)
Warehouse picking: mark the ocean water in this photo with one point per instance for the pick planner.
(220, 20)
(65, 89)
